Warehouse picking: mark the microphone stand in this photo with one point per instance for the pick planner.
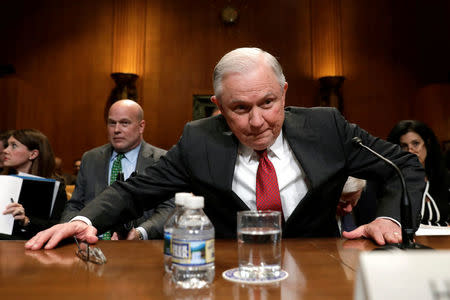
(405, 208)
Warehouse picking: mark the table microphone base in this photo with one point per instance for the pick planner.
(400, 246)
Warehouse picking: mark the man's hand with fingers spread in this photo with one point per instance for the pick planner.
(57, 233)
(381, 231)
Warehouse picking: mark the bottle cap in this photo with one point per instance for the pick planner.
(180, 198)
(194, 202)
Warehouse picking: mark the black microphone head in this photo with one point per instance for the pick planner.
(357, 141)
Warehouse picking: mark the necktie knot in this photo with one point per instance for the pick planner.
(261, 153)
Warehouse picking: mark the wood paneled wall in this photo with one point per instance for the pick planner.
(65, 51)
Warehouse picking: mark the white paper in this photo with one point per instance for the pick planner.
(433, 230)
(55, 193)
(9, 192)
(29, 175)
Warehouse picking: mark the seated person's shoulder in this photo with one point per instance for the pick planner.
(319, 110)
(96, 153)
(158, 152)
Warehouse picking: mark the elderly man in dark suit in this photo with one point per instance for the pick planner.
(307, 155)
(125, 128)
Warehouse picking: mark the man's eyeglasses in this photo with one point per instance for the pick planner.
(92, 254)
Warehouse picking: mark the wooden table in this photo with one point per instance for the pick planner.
(318, 269)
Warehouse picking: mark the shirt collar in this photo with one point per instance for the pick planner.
(276, 150)
(131, 155)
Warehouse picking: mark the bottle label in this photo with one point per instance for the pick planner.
(167, 243)
(193, 253)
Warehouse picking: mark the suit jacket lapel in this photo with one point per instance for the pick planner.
(221, 155)
(302, 140)
(102, 180)
(144, 153)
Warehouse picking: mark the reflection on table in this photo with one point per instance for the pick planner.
(318, 269)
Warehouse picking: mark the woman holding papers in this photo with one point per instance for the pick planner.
(29, 152)
(419, 139)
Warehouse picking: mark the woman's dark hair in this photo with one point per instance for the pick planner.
(4, 136)
(44, 164)
(434, 163)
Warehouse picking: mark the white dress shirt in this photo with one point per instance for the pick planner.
(290, 176)
(128, 162)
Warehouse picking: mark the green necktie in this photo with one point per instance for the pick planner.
(116, 167)
(115, 170)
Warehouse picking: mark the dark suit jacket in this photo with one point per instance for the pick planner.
(93, 179)
(368, 202)
(203, 162)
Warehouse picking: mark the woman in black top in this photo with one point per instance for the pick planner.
(29, 151)
(418, 138)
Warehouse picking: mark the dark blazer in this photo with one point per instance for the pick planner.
(364, 212)
(92, 179)
(203, 162)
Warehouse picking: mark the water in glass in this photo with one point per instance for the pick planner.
(259, 251)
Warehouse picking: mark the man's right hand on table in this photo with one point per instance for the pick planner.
(52, 236)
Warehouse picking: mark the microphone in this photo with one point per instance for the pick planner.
(405, 206)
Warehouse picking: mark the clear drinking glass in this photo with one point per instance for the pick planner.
(259, 244)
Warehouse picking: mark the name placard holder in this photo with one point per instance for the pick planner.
(418, 274)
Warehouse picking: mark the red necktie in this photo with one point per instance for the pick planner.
(267, 191)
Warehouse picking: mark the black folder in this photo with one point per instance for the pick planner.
(37, 196)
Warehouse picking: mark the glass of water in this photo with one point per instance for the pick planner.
(259, 244)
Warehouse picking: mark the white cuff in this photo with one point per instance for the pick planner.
(143, 232)
(83, 219)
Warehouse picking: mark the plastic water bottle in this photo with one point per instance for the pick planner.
(168, 229)
(193, 246)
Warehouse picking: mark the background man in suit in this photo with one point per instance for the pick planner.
(76, 166)
(311, 151)
(69, 179)
(125, 128)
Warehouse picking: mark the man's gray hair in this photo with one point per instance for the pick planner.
(353, 185)
(244, 60)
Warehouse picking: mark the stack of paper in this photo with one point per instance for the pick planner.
(433, 230)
